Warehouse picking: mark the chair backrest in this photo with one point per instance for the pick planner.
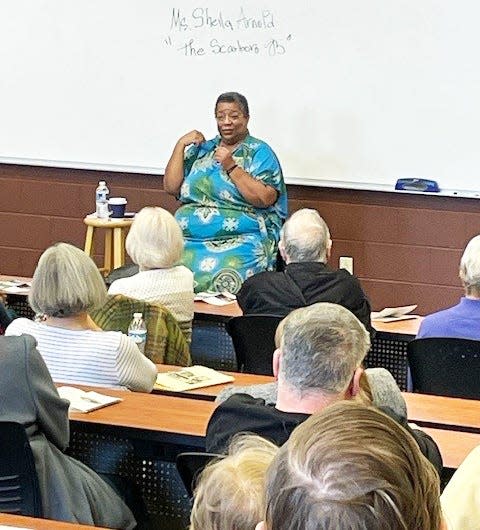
(165, 344)
(445, 366)
(5, 318)
(253, 338)
(19, 490)
(189, 465)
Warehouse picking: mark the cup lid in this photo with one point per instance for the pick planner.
(117, 200)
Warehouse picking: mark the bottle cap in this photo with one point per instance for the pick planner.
(137, 315)
(101, 183)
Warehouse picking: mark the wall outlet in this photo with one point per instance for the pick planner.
(346, 262)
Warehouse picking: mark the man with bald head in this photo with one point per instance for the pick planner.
(305, 245)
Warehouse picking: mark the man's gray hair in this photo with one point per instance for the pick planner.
(470, 267)
(322, 345)
(305, 237)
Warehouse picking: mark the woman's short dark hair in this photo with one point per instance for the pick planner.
(234, 97)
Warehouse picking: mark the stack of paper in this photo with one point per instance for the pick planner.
(190, 378)
(81, 401)
(219, 299)
(393, 314)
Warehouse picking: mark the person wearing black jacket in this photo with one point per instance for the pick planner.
(318, 363)
(305, 245)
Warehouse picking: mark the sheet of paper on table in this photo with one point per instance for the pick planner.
(218, 299)
(394, 314)
(81, 401)
(15, 286)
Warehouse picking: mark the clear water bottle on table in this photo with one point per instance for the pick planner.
(137, 330)
(101, 200)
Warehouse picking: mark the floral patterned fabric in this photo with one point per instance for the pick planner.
(226, 239)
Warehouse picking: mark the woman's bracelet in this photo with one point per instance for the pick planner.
(230, 169)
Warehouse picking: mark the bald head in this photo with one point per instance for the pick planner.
(305, 237)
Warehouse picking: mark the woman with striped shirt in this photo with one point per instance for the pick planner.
(65, 287)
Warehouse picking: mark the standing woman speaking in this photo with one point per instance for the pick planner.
(234, 199)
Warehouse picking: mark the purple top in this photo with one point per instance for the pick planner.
(460, 321)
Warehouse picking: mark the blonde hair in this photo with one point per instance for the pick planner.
(155, 240)
(351, 466)
(470, 267)
(66, 282)
(230, 491)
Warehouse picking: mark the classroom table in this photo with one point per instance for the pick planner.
(34, 523)
(183, 420)
(141, 436)
(444, 412)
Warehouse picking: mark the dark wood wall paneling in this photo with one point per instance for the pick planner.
(406, 248)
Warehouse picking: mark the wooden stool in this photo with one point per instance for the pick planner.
(115, 232)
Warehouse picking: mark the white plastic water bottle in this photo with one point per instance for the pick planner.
(137, 330)
(101, 200)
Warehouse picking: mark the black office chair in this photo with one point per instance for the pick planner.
(19, 490)
(253, 338)
(189, 465)
(445, 366)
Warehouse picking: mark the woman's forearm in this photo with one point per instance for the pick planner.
(253, 191)
(173, 178)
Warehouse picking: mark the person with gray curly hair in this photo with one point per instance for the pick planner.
(305, 246)
(318, 362)
(463, 319)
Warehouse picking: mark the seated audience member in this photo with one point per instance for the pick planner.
(461, 497)
(155, 244)
(377, 387)
(322, 347)
(65, 287)
(70, 491)
(463, 319)
(305, 246)
(362, 472)
(230, 492)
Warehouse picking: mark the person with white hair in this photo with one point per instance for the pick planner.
(155, 244)
(305, 245)
(463, 319)
(319, 362)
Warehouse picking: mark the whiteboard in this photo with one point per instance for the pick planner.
(347, 93)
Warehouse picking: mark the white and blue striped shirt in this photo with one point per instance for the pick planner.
(88, 357)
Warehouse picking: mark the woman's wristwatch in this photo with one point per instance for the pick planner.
(230, 169)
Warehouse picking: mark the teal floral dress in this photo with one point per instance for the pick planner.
(227, 239)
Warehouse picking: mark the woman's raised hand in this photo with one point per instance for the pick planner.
(192, 137)
(224, 156)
